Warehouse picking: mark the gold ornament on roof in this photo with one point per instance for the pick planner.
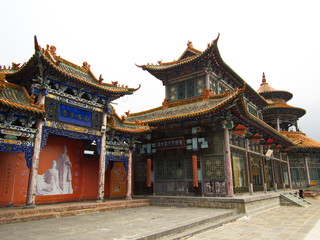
(15, 66)
(189, 44)
(31, 99)
(100, 79)
(86, 66)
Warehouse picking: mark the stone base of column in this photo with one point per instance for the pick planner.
(265, 188)
(30, 206)
(275, 187)
(251, 188)
(100, 200)
(128, 198)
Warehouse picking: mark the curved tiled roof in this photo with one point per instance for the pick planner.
(190, 55)
(302, 141)
(185, 109)
(284, 108)
(242, 112)
(123, 126)
(80, 74)
(17, 98)
(269, 92)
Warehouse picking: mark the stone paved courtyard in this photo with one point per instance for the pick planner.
(283, 223)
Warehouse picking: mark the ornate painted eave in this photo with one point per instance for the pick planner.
(16, 98)
(60, 66)
(186, 109)
(121, 125)
(302, 142)
(241, 111)
(210, 54)
(283, 108)
(269, 92)
(193, 55)
(277, 94)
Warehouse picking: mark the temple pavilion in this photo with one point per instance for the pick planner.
(60, 138)
(214, 135)
(210, 137)
(304, 156)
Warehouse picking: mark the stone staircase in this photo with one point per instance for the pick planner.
(19, 214)
(192, 229)
(291, 199)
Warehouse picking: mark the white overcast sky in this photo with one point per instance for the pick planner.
(280, 38)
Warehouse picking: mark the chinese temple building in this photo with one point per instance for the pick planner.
(304, 156)
(210, 137)
(214, 135)
(61, 139)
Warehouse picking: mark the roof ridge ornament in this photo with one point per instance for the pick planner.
(189, 44)
(263, 78)
(216, 40)
(86, 66)
(36, 45)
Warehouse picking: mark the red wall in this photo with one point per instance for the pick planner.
(14, 174)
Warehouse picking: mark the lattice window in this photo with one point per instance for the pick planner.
(181, 91)
(200, 85)
(214, 168)
(190, 88)
(169, 169)
(159, 169)
(188, 167)
(179, 166)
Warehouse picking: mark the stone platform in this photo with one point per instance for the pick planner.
(20, 214)
(247, 204)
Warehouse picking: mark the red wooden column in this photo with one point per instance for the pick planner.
(102, 159)
(129, 176)
(31, 195)
(306, 164)
(265, 188)
(249, 169)
(227, 157)
(149, 169)
(195, 170)
(275, 185)
(289, 172)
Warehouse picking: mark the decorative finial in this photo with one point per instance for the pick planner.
(15, 66)
(86, 66)
(263, 78)
(100, 79)
(53, 50)
(189, 44)
(36, 45)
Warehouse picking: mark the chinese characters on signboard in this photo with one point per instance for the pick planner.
(170, 143)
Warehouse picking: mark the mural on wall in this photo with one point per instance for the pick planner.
(57, 179)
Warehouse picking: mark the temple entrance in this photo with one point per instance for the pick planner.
(173, 173)
(269, 175)
(116, 180)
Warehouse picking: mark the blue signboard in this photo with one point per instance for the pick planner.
(75, 115)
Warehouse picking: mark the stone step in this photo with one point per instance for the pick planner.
(294, 199)
(18, 214)
(191, 229)
(204, 227)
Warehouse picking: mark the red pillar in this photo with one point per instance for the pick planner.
(195, 170)
(227, 157)
(149, 172)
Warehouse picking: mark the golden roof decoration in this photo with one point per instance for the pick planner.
(301, 140)
(264, 86)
